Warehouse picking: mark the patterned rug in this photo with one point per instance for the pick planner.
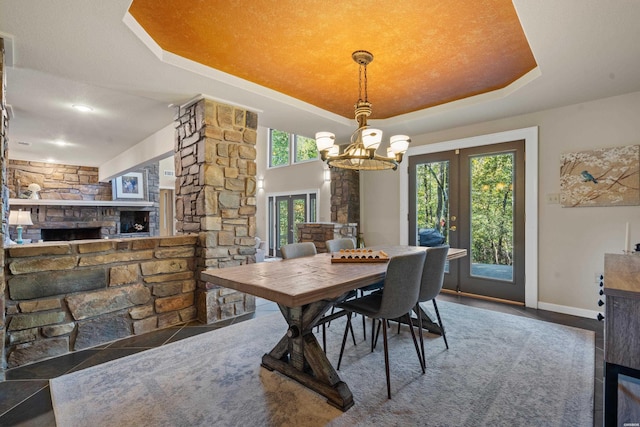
(500, 370)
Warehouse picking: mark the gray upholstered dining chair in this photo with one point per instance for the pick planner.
(399, 295)
(334, 245)
(298, 250)
(430, 287)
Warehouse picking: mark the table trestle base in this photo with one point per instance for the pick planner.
(299, 356)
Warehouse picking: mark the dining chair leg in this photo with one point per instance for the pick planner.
(374, 338)
(344, 340)
(415, 343)
(373, 332)
(353, 336)
(386, 356)
(364, 328)
(324, 338)
(329, 322)
(417, 310)
(435, 306)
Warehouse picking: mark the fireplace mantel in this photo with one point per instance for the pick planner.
(59, 202)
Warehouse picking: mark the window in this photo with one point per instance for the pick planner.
(286, 148)
(278, 148)
(305, 149)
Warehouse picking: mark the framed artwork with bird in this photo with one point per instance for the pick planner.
(601, 177)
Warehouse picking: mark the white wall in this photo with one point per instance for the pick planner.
(572, 241)
(157, 146)
(167, 164)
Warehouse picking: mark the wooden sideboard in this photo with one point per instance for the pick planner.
(622, 339)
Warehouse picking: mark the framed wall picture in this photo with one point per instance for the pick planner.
(601, 177)
(130, 186)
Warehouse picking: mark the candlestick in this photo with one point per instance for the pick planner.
(626, 239)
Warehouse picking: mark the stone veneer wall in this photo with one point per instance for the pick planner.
(320, 232)
(4, 126)
(153, 191)
(215, 196)
(345, 196)
(64, 182)
(71, 296)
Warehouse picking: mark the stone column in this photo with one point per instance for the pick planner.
(215, 196)
(345, 196)
(4, 125)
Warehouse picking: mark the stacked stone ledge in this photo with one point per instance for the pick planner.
(71, 296)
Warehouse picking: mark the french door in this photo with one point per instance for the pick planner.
(285, 213)
(473, 198)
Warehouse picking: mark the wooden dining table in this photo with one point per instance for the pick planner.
(304, 289)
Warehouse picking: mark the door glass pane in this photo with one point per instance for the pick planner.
(313, 208)
(432, 202)
(283, 221)
(299, 215)
(492, 209)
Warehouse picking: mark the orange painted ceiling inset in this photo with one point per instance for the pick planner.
(426, 52)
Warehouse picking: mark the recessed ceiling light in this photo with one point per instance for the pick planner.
(83, 108)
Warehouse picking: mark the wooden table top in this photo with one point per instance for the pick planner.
(299, 281)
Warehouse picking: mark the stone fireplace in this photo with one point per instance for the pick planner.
(68, 222)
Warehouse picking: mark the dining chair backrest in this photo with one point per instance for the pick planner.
(334, 245)
(298, 250)
(401, 285)
(433, 272)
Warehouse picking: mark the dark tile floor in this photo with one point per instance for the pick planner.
(25, 398)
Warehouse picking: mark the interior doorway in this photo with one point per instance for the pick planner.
(166, 216)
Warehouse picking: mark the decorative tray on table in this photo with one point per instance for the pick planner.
(359, 255)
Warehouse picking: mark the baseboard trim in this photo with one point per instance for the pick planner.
(483, 297)
(564, 309)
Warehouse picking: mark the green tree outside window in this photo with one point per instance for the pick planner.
(279, 148)
(305, 149)
(283, 145)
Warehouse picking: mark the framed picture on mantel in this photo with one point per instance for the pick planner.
(130, 186)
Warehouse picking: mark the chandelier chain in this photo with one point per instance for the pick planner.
(362, 73)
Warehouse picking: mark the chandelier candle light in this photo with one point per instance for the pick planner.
(361, 154)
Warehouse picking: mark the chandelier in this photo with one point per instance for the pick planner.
(361, 153)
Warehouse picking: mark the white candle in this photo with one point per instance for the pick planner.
(626, 239)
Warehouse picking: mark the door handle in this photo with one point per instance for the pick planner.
(453, 228)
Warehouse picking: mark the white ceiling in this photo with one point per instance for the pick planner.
(62, 52)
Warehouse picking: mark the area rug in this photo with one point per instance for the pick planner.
(500, 370)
